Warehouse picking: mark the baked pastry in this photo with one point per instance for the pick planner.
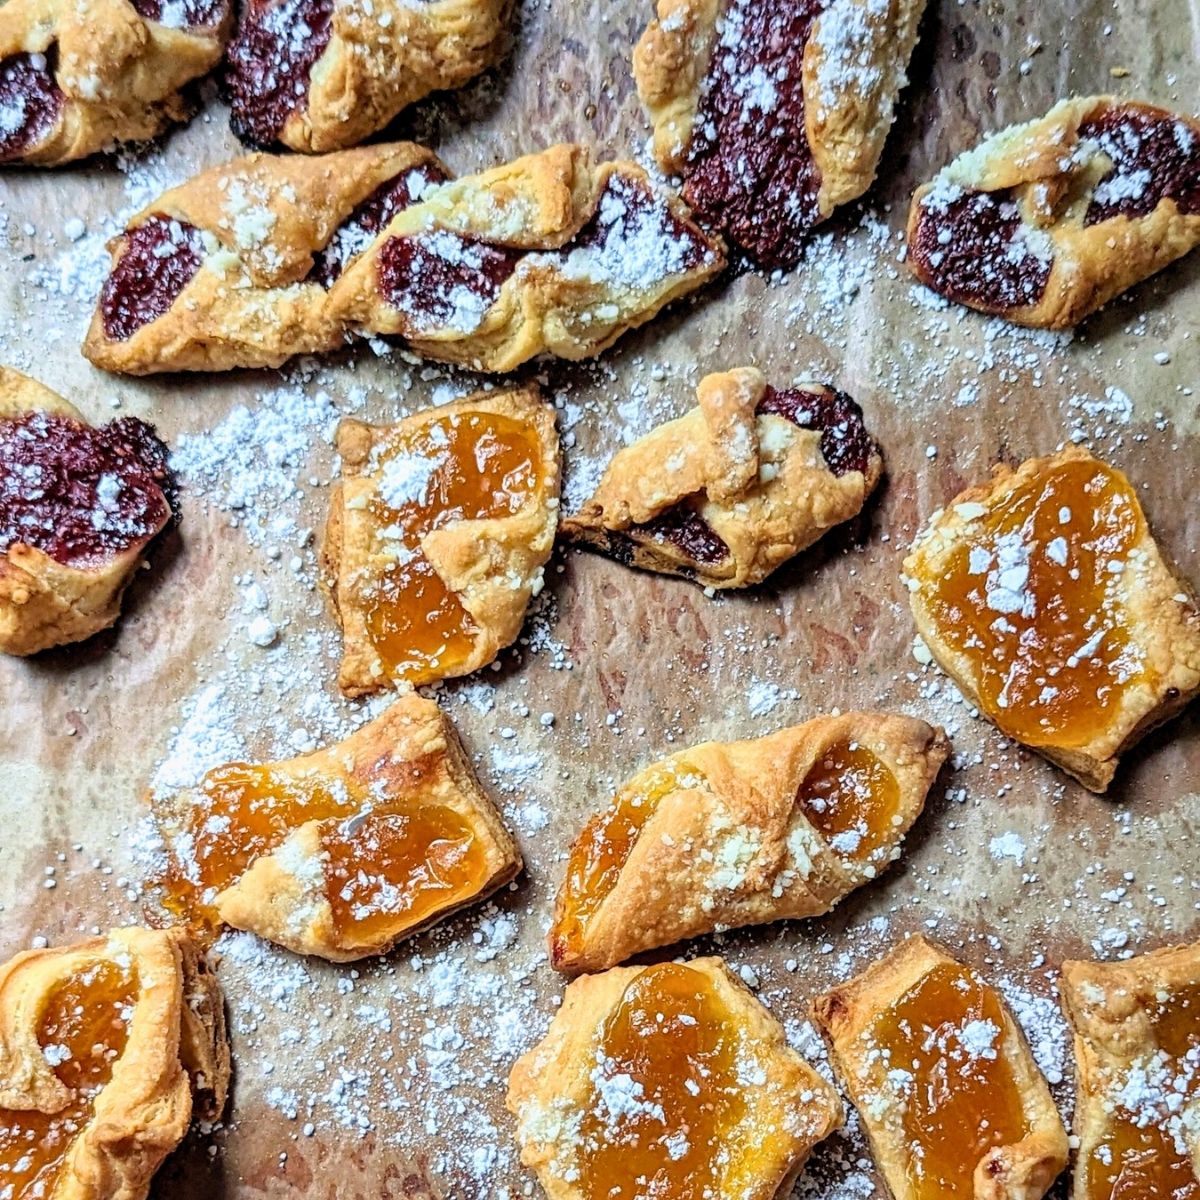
(668, 1080)
(949, 1094)
(437, 536)
(107, 1050)
(735, 487)
(78, 506)
(1137, 1056)
(76, 78)
(741, 833)
(232, 269)
(322, 75)
(1044, 222)
(343, 852)
(1043, 595)
(550, 254)
(774, 113)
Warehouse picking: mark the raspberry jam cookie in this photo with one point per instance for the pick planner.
(946, 1086)
(741, 833)
(233, 268)
(107, 1050)
(1045, 222)
(77, 78)
(79, 504)
(1137, 1055)
(774, 112)
(437, 536)
(343, 852)
(668, 1081)
(737, 486)
(1043, 594)
(320, 75)
(550, 254)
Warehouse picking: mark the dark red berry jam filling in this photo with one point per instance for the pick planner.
(354, 234)
(80, 495)
(158, 261)
(845, 443)
(30, 102)
(974, 248)
(687, 530)
(750, 170)
(1155, 156)
(270, 62)
(183, 14)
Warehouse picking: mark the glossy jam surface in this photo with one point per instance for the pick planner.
(684, 528)
(1029, 595)
(30, 102)
(750, 169)
(83, 1031)
(1155, 156)
(464, 467)
(270, 62)
(1145, 1151)
(604, 845)
(157, 262)
(850, 797)
(973, 247)
(960, 1099)
(77, 493)
(845, 443)
(665, 1092)
(188, 14)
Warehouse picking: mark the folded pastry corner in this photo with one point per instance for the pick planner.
(667, 1080)
(1044, 596)
(742, 833)
(947, 1088)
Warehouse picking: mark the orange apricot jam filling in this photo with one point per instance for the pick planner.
(604, 845)
(387, 862)
(941, 1046)
(665, 1092)
(1144, 1151)
(1030, 596)
(462, 467)
(83, 1031)
(852, 800)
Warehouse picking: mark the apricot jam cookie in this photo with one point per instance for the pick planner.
(319, 75)
(437, 536)
(774, 112)
(233, 268)
(79, 504)
(741, 833)
(1137, 1056)
(735, 487)
(550, 254)
(343, 852)
(108, 1048)
(1043, 595)
(77, 78)
(945, 1084)
(669, 1081)
(1045, 222)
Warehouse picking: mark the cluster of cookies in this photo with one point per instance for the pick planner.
(1041, 591)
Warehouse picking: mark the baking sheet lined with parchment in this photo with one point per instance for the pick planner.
(387, 1078)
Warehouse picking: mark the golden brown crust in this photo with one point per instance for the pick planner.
(252, 302)
(790, 1107)
(728, 844)
(1054, 173)
(572, 301)
(1019, 1171)
(175, 1061)
(760, 483)
(120, 73)
(1161, 612)
(45, 603)
(494, 565)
